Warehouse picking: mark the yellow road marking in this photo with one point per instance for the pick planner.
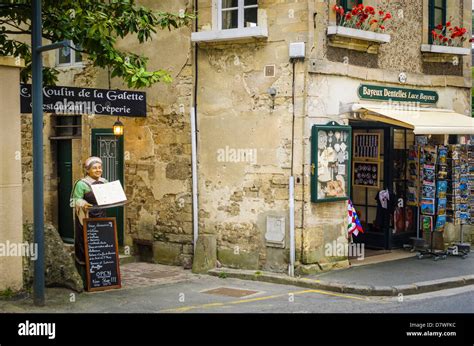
(226, 304)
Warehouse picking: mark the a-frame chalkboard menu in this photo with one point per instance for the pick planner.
(101, 248)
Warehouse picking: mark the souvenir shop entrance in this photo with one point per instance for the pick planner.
(380, 184)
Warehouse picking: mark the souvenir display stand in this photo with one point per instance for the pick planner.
(459, 195)
(433, 161)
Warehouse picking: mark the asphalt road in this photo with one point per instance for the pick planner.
(190, 297)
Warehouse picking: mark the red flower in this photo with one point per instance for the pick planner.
(369, 9)
(387, 16)
(434, 33)
(448, 24)
(445, 39)
(439, 27)
(382, 27)
(381, 13)
(348, 16)
(373, 21)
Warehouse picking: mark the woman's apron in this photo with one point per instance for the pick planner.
(79, 238)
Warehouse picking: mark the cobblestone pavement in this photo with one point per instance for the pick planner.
(141, 274)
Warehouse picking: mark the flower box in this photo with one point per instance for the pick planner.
(436, 53)
(356, 39)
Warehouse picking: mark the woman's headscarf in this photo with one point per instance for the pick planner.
(91, 161)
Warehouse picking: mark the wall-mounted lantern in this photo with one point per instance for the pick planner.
(118, 128)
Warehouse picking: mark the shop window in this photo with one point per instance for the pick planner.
(67, 127)
(437, 15)
(237, 14)
(69, 56)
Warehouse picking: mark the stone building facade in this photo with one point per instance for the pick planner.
(255, 109)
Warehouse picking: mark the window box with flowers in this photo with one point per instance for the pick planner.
(362, 29)
(448, 41)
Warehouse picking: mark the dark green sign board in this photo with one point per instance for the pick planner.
(381, 93)
(331, 152)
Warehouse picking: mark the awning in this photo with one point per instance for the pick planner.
(423, 121)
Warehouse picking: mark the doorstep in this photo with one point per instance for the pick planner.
(384, 256)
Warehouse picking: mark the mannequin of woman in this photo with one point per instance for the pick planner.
(82, 200)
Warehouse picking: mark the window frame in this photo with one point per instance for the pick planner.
(72, 58)
(343, 3)
(431, 16)
(241, 7)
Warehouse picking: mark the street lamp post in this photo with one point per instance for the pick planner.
(37, 109)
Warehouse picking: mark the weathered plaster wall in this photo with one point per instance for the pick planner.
(236, 194)
(11, 235)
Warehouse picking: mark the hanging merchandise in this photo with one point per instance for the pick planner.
(412, 182)
(470, 155)
(353, 223)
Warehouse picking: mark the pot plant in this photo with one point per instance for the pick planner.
(360, 28)
(447, 39)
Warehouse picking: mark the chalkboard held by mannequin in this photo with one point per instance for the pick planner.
(82, 200)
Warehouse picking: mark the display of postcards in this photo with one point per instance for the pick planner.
(428, 173)
(441, 188)
(429, 155)
(442, 155)
(428, 206)
(413, 169)
(442, 172)
(427, 223)
(421, 140)
(428, 191)
(463, 208)
(412, 154)
(440, 223)
(442, 206)
(464, 178)
(464, 217)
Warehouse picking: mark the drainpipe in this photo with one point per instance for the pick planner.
(194, 178)
(291, 268)
(194, 139)
(291, 185)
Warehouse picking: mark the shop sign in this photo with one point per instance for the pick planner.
(70, 100)
(381, 93)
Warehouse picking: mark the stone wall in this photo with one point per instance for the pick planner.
(244, 143)
(157, 149)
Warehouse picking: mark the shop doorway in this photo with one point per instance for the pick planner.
(380, 167)
(65, 181)
(110, 149)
